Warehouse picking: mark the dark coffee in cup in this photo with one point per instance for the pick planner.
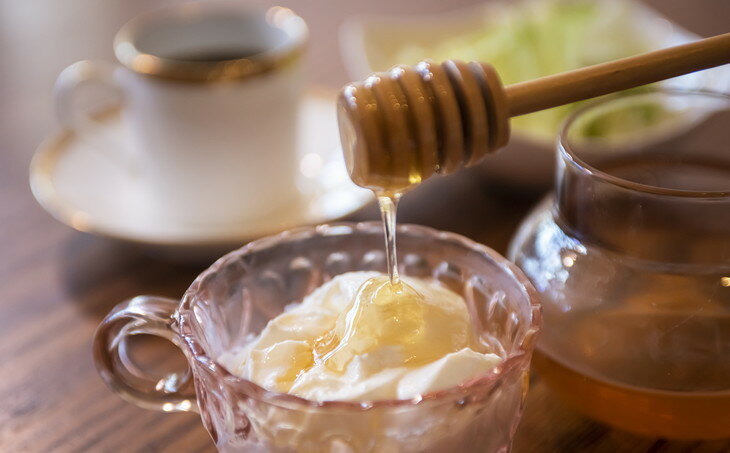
(213, 55)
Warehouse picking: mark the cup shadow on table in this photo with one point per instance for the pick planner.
(98, 273)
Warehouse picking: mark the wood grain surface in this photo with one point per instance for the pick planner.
(56, 285)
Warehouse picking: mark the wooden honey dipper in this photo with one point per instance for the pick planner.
(400, 127)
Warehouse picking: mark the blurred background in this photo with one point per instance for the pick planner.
(57, 284)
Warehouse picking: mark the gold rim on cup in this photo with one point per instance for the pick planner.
(270, 60)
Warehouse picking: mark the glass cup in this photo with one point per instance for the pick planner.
(631, 256)
(233, 300)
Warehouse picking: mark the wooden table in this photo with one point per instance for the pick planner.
(56, 284)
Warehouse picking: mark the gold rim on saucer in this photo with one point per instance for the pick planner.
(135, 59)
(50, 152)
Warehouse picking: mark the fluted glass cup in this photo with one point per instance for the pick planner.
(631, 256)
(232, 301)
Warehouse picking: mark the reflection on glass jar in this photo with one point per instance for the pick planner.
(631, 256)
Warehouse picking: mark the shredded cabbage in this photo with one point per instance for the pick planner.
(537, 38)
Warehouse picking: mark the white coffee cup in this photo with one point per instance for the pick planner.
(209, 93)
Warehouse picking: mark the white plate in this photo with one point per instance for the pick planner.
(77, 180)
(369, 42)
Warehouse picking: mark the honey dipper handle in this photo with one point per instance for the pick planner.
(592, 81)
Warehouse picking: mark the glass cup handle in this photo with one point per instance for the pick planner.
(142, 315)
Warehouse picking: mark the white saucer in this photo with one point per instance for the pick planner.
(81, 185)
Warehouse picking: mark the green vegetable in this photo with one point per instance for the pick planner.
(539, 38)
(632, 120)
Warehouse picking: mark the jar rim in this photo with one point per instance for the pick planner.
(572, 156)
